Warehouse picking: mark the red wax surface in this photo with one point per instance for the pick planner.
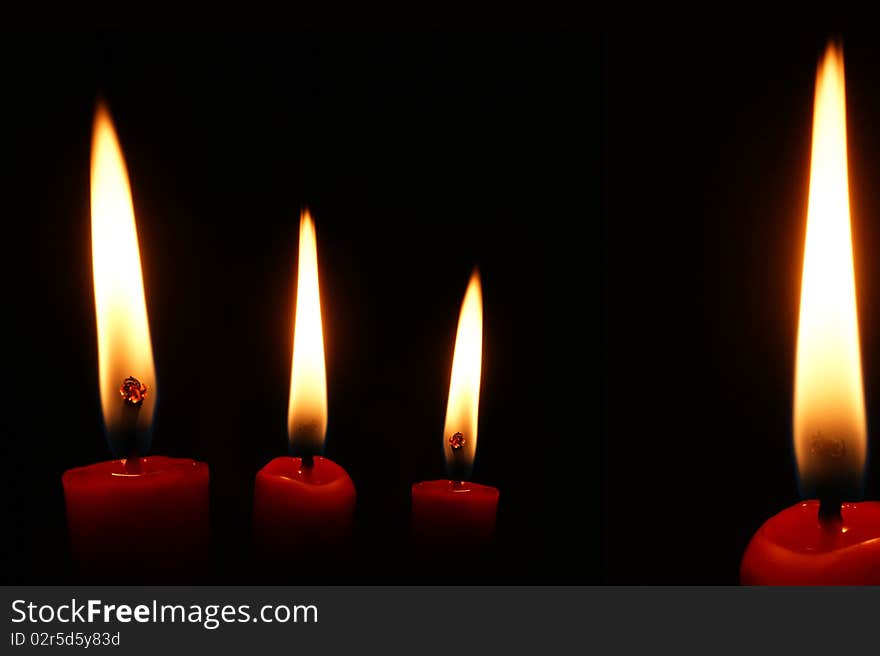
(793, 548)
(456, 515)
(302, 510)
(153, 525)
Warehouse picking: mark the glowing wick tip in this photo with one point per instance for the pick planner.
(133, 391)
(457, 442)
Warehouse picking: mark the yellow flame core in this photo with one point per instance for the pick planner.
(307, 411)
(462, 408)
(829, 408)
(124, 346)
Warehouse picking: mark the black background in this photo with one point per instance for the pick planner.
(636, 204)
(707, 143)
(420, 157)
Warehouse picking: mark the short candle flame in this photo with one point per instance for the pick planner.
(307, 411)
(829, 408)
(124, 346)
(462, 409)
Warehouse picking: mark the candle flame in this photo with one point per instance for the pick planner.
(124, 346)
(307, 411)
(830, 431)
(462, 409)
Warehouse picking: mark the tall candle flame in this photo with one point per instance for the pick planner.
(307, 410)
(462, 409)
(830, 432)
(124, 346)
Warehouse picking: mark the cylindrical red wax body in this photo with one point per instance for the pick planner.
(302, 510)
(152, 525)
(453, 514)
(793, 548)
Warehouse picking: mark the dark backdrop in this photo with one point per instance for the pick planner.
(420, 157)
(707, 143)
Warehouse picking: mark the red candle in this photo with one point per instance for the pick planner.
(449, 512)
(147, 525)
(134, 518)
(305, 503)
(831, 541)
(795, 548)
(456, 513)
(302, 509)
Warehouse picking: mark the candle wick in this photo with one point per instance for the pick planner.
(308, 461)
(830, 515)
(455, 465)
(127, 440)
